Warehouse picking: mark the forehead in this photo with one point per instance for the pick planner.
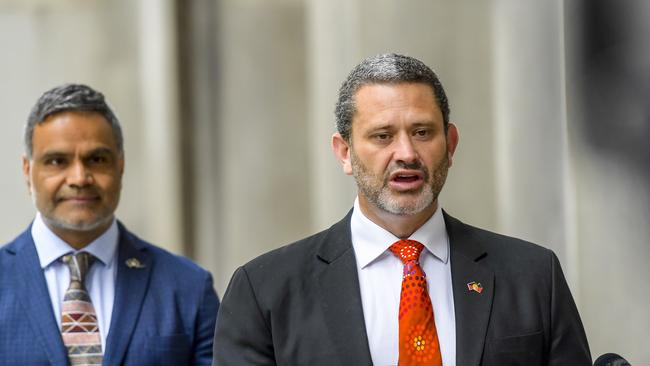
(63, 130)
(401, 100)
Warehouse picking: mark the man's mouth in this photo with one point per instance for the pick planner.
(406, 180)
(79, 199)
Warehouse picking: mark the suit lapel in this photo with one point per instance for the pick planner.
(341, 296)
(471, 307)
(35, 300)
(133, 272)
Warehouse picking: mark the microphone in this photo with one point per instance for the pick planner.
(611, 359)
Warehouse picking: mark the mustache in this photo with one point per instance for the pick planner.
(416, 165)
(68, 192)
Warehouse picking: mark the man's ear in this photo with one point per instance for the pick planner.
(26, 175)
(452, 141)
(120, 163)
(342, 151)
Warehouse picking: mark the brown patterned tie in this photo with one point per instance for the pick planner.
(79, 328)
(418, 338)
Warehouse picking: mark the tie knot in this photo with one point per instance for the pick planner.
(407, 250)
(79, 264)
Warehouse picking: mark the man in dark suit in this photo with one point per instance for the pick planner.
(77, 288)
(398, 280)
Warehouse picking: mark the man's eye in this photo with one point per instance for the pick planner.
(382, 136)
(422, 133)
(55, 161)
(98, 159)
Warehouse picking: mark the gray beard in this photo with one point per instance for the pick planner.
(83, 226)
(381, 196)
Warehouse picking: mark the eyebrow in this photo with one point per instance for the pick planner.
(100, 150)
(95, 151)
(390, 126)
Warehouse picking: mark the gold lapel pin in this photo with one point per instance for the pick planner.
(474, 286)
(134, 263)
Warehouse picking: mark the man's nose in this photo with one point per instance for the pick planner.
(405, 150)
(79, 175)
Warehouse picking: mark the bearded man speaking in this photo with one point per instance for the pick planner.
(399, 281)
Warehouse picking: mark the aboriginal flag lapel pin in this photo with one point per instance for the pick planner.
(474, 286)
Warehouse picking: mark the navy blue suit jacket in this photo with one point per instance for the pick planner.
(163, 313)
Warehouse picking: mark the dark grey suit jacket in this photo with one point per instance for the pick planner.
(301, 305)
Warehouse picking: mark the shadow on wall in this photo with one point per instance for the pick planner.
(609, 74)
(614, 74)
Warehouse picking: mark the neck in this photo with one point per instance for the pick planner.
(78, 239)
(402, 226)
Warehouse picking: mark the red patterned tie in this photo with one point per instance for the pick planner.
(79, 327)
(418, 339)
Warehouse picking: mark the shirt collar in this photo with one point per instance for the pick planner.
(50, 247)
(371, 241)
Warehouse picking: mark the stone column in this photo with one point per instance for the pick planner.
(160, 119)
(535, 198)
(263, 150)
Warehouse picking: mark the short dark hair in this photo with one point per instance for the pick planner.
(390, 68)
(75, 98)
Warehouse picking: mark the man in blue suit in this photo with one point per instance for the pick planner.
(77, 287)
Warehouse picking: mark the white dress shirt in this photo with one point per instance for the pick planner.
(100, 280)
(380, 280)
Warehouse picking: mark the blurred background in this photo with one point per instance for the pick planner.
(227, 110)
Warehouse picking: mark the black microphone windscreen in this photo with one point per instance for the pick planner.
(611, 359)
